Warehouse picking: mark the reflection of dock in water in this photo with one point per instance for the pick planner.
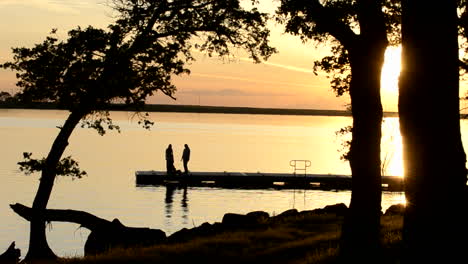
(259, 180)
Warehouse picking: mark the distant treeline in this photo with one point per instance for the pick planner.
(201, 109)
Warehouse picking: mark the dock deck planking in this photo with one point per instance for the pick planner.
(260, 180)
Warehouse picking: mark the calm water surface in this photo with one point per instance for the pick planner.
(219, 142)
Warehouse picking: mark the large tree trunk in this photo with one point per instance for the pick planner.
(361, 230)
(38, 246)
(434, 159)
(362, 226)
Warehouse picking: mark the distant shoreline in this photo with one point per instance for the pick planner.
(204, 109)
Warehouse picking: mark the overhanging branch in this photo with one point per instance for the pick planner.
(326, 19)
(84, 219)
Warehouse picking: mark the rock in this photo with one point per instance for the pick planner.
(290, 212)
(11, 255)
(118, 235)
(252, 219)
(204, 230)
(258, 217)
(180, 235)
(339, 209)
(232, 220)
(396, 209)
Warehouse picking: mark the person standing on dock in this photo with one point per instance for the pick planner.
(170, 161)
(185, 158)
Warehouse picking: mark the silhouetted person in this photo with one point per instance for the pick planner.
(186, 158)
(170, 160)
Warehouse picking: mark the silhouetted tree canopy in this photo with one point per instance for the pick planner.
(334, 23)
(136, 56)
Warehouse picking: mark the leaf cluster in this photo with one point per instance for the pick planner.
(100, 121)
(463, 33)
(66, 166)
(345, 144)
(337, 68)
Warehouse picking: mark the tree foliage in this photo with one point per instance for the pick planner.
(463, 33)
(66, 167)
(137, 55)
(300, 19)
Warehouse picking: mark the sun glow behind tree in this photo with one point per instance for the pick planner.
(391, 155)
(389, 78)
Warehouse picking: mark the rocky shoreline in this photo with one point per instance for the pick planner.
(120, 236)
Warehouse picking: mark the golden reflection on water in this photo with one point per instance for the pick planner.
(391, 148)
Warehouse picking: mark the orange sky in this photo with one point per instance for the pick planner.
(285, 81)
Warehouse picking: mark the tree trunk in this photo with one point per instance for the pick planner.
(434, 159)
(38, 246)
(361, 230)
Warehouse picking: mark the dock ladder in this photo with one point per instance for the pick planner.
(300, 165)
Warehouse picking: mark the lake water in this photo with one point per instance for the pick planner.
(219, 142)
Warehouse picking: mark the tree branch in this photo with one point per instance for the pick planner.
(327, 20)
(84, 219)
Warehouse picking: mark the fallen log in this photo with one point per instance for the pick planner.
(104, 235)
(11, 255)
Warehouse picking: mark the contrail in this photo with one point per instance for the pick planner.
(282, 66)
(225, 77)
(278, 65)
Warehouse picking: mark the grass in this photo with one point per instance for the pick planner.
(305, 238)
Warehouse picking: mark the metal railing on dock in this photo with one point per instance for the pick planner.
(300, 165)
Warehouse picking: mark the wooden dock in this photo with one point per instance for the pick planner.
(259, 180)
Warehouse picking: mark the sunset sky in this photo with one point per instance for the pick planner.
(284, 81)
